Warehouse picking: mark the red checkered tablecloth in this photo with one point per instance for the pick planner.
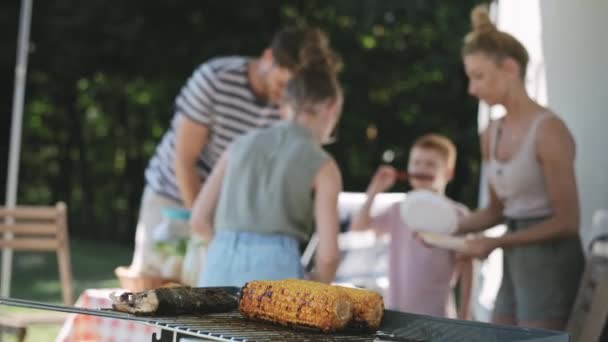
(93, 328)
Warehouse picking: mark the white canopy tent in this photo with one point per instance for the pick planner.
(12, 179)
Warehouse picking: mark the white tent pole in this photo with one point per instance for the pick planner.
(12, 178)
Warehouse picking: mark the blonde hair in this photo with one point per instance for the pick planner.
(487, 39)
(441, 144)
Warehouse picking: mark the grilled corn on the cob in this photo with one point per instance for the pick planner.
(368, 308)
(296, 302)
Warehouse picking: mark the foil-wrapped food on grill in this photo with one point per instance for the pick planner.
(172, 301)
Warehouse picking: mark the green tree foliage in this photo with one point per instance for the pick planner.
(103, 75)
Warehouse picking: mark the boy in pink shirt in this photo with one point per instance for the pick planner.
(420, 277)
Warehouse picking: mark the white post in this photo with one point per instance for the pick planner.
(15, 144)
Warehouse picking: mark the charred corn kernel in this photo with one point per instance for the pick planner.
(368, 308)
(296, 302)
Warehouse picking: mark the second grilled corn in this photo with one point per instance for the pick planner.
(368, 308)
(296, 302)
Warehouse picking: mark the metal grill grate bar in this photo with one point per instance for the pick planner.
(232, 327)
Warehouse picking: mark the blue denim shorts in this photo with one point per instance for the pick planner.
(540, 281)
(235, 258)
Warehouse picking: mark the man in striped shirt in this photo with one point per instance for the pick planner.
(224, 98)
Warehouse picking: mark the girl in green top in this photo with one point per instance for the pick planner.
(271, 187)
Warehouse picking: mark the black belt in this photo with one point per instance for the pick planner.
(514, 224)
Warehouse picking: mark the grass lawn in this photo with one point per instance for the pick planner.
(36, 277)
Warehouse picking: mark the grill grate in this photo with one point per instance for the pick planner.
(396, 326)
(233, 327)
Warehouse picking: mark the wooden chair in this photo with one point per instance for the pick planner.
(38, 229)
(590, 312)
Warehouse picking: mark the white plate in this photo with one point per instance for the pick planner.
(450, 242)
(425, 211)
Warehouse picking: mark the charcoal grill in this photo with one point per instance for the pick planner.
(396, 326)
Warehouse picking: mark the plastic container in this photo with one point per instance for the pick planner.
(170, 239)
(174, 225)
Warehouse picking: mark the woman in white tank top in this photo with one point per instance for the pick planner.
(530, 154)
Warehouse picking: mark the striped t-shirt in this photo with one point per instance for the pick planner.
(219, 96)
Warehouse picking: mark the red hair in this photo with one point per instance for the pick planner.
(441, 144)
